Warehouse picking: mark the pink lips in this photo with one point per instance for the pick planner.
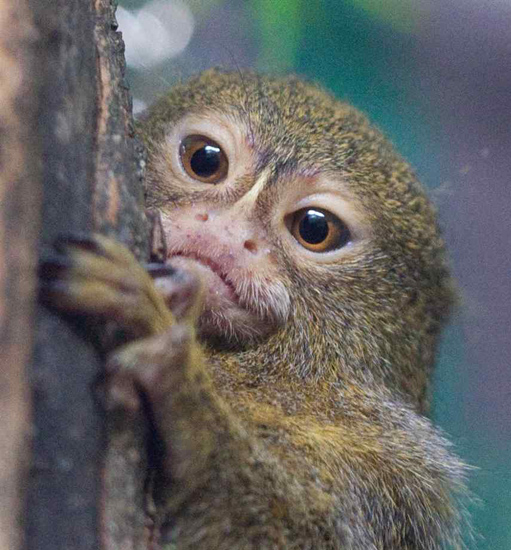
(210, 271)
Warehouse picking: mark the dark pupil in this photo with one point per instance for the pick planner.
(206, 161)
(314, 227)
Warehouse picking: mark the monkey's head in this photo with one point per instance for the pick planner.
(316, 243)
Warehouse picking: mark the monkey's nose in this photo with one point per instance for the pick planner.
(226, 229)
(251, 246)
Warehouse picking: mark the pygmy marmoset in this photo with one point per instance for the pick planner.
(287, 360)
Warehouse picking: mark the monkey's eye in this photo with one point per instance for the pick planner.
(203, 159)
(318, 230)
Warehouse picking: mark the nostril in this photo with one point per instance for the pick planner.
(202, 217)
(250, 245)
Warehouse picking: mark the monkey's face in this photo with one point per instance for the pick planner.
(300, 217)
(248, 227)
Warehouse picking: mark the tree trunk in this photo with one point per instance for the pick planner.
(68, 163)
(19, 224)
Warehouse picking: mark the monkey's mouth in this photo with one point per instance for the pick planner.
(219, 288)
(234, 309)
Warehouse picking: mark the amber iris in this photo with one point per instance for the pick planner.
(318, 230)
(203, 159)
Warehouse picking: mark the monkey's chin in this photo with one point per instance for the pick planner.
(233, 329)
(224, 319)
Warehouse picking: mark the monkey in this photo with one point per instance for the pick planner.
(285, 347)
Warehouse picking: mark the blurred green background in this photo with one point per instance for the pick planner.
(436, 77)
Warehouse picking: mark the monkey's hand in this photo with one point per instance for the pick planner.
(156, 307)
(98, 277)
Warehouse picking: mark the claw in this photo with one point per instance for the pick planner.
(85, 241)
(159, 270)
(157, 241)
(48, 289)
(53, 267)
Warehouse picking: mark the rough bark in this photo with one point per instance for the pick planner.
(19, 222)
(85, 489)
(116, 208)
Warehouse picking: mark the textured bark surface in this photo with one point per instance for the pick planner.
(116, 208)
(19, 223)
(64, 485)
(85, 489)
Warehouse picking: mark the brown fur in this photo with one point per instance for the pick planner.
(312, 437)
(387, 308)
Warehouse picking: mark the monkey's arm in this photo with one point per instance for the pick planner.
(252, 477)
(248, 476)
